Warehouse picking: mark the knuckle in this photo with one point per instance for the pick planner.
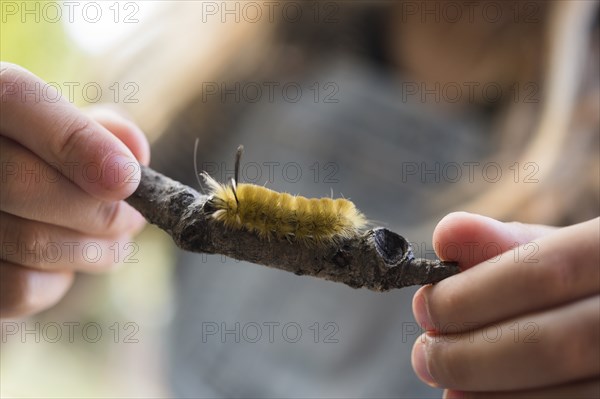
(15, 187)
(30, 241)
(24, 178)
(33, 240)
(12, 80)
(77, 131)
(25, 188)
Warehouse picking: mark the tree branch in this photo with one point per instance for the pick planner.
(379, 259)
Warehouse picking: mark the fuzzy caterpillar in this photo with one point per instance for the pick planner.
(272, 214)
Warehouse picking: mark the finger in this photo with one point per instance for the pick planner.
(546, 348)
(47, 247)
(124, 129)
(577, 390)
(60, 134)
(558, 268)
(26, 291)
(33, 190)
(470, 239)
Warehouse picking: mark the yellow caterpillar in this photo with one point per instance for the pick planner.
(281, 215)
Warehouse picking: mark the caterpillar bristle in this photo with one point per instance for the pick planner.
(274, 215)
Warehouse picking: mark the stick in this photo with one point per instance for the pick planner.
(379, 259)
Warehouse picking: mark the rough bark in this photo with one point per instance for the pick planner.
(379, 259)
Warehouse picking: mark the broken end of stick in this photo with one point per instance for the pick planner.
(401, 268)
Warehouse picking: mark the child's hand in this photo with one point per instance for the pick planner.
(521, 325)
(63, 176)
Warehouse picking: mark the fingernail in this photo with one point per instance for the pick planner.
(419, 362)
(421, 311)
(120, 170)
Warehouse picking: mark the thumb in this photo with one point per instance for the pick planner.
(63, 137)
(470, 239)
(120, 125)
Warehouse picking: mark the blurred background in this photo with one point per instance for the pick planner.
(410, 109)
(88, 355)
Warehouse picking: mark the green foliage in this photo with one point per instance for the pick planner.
(41, 46)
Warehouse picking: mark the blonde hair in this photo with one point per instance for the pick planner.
(567, 42)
